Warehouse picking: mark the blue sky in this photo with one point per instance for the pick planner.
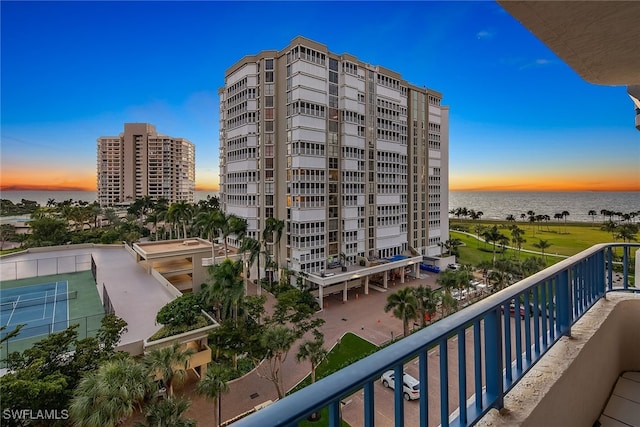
(520, 118)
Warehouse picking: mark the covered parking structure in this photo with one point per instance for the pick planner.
(365, 276)
(177, 261)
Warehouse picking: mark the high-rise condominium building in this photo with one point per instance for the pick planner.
(350, 156)
(141, 162)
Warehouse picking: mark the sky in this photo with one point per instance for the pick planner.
(520, 118)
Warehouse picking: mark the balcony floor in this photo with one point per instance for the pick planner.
(623, 408)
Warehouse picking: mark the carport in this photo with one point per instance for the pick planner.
(357, 276)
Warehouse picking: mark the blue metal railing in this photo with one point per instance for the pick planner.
(498, 339)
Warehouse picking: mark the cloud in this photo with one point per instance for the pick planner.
(525, 63)
(485, 35)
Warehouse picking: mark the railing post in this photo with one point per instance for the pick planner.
(610, 267)
(625, 266)
(369, 411)
(564, 302)
(335, 418)
(398, 373)
(493, 356)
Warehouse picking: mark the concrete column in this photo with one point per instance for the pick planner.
(366, 285)
(320, 296)
(402, 275)
(344, 293)
(416, 270)
(385, 279)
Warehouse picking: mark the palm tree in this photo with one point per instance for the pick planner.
(542, 245)
(227, 287)
(213, 385)
(627, 232)
(169, 363)
(592, 214)
(517, 238)
(314, 352)
(180, 213)
(273, 234)
(229, 225)
(492, 235)
(448, 304)
(427, 300)
(251, 245)
(207, 222)
(168, 413)
(112, 392)
(532, 220)
(565, 214)
(404, 306)
(448, 280)
(611, 227)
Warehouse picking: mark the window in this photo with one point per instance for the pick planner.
(268, 64)
(268, 101)
(268, 76)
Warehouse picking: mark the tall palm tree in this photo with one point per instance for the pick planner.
(493, 235)
(565, 214)
(592, 214)
(611, 227)
(213, 385)
(314, 352)
(532, 220)
(251, 245)
(227, 287)
(517, 237)
(230, 224)
(180, 213)
(170, 363)
(542, 245)
(112, 392)
(404, 306)
(273, 234)
(207, 223)
(627, 232)
(427, 300)
(448, 280)
(167, 413)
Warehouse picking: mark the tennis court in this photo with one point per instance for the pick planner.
(42, 308)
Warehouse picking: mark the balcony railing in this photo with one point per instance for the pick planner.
(495, 341)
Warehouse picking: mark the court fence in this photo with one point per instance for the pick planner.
(15, 270)
(88, 326)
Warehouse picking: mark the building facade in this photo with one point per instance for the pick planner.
(141, 162)
(353, 158)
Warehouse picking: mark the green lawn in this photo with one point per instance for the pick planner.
(566, 239)
(350, 349)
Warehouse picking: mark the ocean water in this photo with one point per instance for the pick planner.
(493, 204)
(499, 204)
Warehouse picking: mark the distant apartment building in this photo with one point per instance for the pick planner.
(352, 157)
(141, 162)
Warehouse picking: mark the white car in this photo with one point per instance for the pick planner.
(410, 386)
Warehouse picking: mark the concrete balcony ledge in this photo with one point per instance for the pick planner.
(572, 383)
